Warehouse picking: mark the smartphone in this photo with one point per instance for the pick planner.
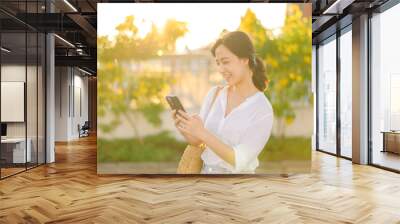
(174, 103)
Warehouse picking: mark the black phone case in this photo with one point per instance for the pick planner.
(174, 103)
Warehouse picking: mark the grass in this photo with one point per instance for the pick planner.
(155, 148)
(288, 148)
(164, 147)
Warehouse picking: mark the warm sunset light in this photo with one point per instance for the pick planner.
(205, 23)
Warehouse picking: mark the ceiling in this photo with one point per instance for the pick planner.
(74, 22)
(332, 15)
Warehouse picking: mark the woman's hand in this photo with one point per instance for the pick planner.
(193, 125)
(190, 124)
(189, 138)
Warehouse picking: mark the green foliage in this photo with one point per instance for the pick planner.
(128, 45)
(288, 60)
(152, 113)
(260, 35)
(123, 94)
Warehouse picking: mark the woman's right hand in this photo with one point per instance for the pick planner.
(189, 138)
(175, 118)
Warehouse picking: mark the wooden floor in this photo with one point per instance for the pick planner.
(5, 172)
(387, 159)
(70, 191)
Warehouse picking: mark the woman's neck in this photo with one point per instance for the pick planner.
(245, 88)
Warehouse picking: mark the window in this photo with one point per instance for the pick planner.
(346, 92)
(385, 89)
(22, 76)
(327, 96)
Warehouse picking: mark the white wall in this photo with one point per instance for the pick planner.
(80, 82)
(71, 87)
(62, 81)
(14, 73)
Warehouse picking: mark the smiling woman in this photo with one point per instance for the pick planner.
(234, 129)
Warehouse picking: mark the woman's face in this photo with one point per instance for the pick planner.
(232, 68)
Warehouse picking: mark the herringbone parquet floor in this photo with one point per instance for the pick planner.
(69, 191)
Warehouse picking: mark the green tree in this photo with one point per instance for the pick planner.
(288, 60)
(123, 94)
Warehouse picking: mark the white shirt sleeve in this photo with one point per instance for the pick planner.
(252, 142)
(205, 106)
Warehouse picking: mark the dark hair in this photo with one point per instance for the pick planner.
(239, 44)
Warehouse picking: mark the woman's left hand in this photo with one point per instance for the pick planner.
(190, 124)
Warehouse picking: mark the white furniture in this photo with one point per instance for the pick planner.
(19, 149)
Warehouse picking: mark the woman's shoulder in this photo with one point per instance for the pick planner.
(217, 87)
(214, 89)
(264, 106)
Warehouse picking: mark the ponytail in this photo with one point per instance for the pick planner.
(259, 78)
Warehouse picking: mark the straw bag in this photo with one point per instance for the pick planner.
(191, 162)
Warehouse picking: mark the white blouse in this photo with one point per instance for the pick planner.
(246, 129)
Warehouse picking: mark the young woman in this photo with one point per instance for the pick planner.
(236, 127)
